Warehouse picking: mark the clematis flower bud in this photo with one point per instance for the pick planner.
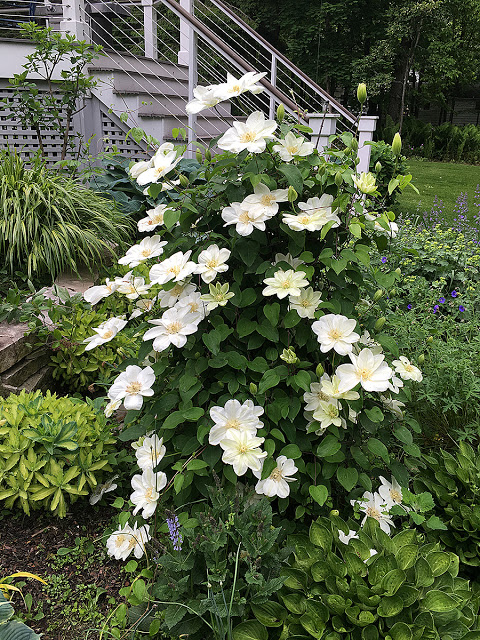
(379, 323)
(292, 194)
(378, 294)
(362, 92)
(280, 112)
(430, 339)
(198, 155)
(184, 181)
(338, 179)
(397, 270)
(253, 388)
(289, 356)
(421, 358)
(396, 145)
(208, 155)
(319, 370)
(378, 167)
(354, 144)
(334, 512)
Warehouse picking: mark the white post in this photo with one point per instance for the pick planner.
(273, 80)
(74, 19)
(150, 29)
(323, 126)
(186, 34)
(366, 127)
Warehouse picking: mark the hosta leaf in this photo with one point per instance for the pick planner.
(390, 606)
(439, 601)
(270, 614)
(250, 630)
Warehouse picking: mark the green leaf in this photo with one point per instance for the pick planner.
(272, 313)
(388, 343)
(439, 562)
(192, 414)
(171, 217)
(392, 185)
(392, 581)
(270, 614)
(375, 414)
(406, 556)
(319, 493)
(347, 477)
(302, 378)
(439, 601)
(269, 379)
(390, 606)
(250, 630)
(245, 327)
(401, 631)
(293, 176)
(434, 522)
(328, 447)
(173, 420)
(291, 451)
(378, 449)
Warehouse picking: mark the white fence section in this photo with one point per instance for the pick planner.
(157, 51)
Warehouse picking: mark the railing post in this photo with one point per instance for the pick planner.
(150, 29)
(74, 19)
(188, 56)
(366, 128)
(323, 125)
(273, 80)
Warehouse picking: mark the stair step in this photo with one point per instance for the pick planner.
(124, 83)
(139, 65)
(205, 128)
(174, 106)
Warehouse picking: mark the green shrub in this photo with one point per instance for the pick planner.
(49, 222)
(454, 480)
(52, 450)
(407, 590)
(391, 166)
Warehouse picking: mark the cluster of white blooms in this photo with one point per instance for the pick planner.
(378, 505)
(235, 430)
(211, 95)
(149, 451)
(162, 163)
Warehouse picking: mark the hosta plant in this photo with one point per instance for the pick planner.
(347, 585)
(11, 629)
(453, 478)
(52, 450)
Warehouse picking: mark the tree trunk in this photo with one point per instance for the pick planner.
(395, 105)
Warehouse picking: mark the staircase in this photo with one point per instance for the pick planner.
(157, 51)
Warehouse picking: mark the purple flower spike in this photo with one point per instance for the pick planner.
(174, 531)
(454, 294)
(461, 308)
(441, 300)
(384, 259)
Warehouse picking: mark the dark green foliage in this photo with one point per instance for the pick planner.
(453, 477)
(408, 590)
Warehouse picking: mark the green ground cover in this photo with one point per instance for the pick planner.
(444, 180)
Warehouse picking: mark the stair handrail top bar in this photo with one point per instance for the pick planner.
(198, 26)
(278, 54)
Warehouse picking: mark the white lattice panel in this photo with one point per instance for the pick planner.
(114, 136)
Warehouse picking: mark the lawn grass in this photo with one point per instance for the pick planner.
(442, 179)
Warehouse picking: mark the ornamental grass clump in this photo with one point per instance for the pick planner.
(255, 359)
(52, 450)
(50, 223)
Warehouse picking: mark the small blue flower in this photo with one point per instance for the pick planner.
(441, 300)
(454, 294)
(436, 308)
(461, 308)
(383, 259)
(409, 306)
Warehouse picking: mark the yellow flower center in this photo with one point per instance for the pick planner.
(305, 303)
(364, 373)
(160, 170)
(276, 475)
(235, 88)
(332, 411)
(146, 252)
(120, 538)
(156, 219)
(107, 335)
(233, 423)
(212, 263)
(292, 149)
(373, 513)
(243, 448)
(244, 217)
(194, 306)
(133, 387)
(175, 269)
(395, 495)
(149, 494)
(267, 199)
(174, 327)
(335, 334)
(286, 284)
(409, 368)
(304, 219)
(248, 136)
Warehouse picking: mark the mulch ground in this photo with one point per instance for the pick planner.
(30, 543)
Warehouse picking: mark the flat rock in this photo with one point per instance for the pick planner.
(42, 380)
(13, 344)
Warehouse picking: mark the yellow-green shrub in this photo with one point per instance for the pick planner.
(52, 450)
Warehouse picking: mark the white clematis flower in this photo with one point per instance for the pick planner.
(150, 452)
(315, 214)
(211, 262)
(367, 369)
(285, 283)
(132, 286)
(346, 537)
(195, 305)
(234, 87)
(395, 406)
(149, 247)
(242, 451)
(327, 413)
(143, 306)
(316, 394)
(162, 163)
(391, 493)
(244, 219)
(234, 417)
(112, 406)
(306, 303)
(251, 135)
(331, 388)
(292, 146)
(407, 370)
(146, 489)
(95, 294)
(373, 505)
(176, 268)
(203, 98)
(125, 540)
(172, 328)
(139, 167)
(289, 259)
(132, 386)
(336, 332)
(172, 296)
(154, 218)
(218, 297)
(264, 201)
(104, 333)
(277, 482)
